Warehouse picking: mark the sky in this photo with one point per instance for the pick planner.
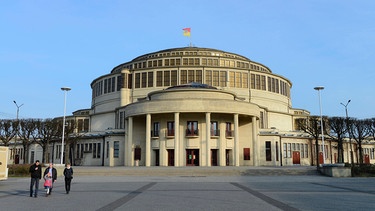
(46, 45)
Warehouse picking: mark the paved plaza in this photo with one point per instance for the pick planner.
(192, 191)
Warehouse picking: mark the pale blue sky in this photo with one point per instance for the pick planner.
(45, 45)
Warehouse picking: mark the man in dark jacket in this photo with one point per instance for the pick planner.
(53, 172)
(35, 174)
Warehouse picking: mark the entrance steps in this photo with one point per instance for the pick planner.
(194, 171)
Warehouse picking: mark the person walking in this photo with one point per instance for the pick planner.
(35, 171)
(53, 173)
(47, 183)
(68, 174)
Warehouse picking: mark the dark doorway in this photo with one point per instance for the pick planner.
(157, 157)
(192, 157)
(170, 157)
(213, 157)
(227, 157)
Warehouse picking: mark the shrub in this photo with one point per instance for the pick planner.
(18, 170)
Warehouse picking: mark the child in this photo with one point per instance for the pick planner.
(47, 183)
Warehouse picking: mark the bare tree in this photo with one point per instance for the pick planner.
(359, 131)
(47, 131)
(27, 131)
(311, 125)
(8, 130)
(338, 130)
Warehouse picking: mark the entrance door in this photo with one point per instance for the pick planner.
(227, 157)
(157, 157)
(170, 157)
(320, 157)
(296, 157)
(213, 157)
(17, 159)
(192, 157)
(367, 159)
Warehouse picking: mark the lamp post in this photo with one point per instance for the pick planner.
(14, 146)
(65, 89)
(350, 134)
(18, 108)
(318, 88)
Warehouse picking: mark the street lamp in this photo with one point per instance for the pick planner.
(14, 146)
(18, 108)
(318, 88)
(65, 89)
(350, 136)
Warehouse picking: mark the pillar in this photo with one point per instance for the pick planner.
(148, 140)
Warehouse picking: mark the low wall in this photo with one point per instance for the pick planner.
(335, 170)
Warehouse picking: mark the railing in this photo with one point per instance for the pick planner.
(229, 133)
(190, 133)
(155, 133)
(169, 133)
(215, 132)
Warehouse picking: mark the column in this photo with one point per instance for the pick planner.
(208, 138)
(177, 139)
(222, 144)
(236, 142)
(255, 141)
(148, 140)
(129, 143)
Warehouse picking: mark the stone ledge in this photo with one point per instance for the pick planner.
(335, 170)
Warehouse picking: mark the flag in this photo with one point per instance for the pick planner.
(186, 32)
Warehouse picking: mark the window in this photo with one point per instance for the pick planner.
(116, 149)
(268, 151)
(246, 153)
(277, 151)
(170, 128)
(228, 129)
(215, 129)
(107, 150)
(155, 129)
(192, 128)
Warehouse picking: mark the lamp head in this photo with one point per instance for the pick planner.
(65, 88)
(319, 88)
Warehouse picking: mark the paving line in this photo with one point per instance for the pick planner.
(265, 198)
(344, 188)
(121, 201)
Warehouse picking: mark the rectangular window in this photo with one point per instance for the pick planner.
(268, 151)
(150, 79)
(198, 76)
(285, 150)
(215, 78)
(159, 78)
(137, 83)
(228, 129)
(94, 150)
(246, 153)
(167, 78)
(223, 79)
(144, 80)
(98, 150)
(277, 151)
(238, 80)
(116, 149)
(252, 81)
(231, 79)
(170, 128)
(209, 77)
(107, 150)
(191, 77)
(155, 129)
(173, 77)
(245, 78)
(192, 128)
(215, 128)
(183, 77)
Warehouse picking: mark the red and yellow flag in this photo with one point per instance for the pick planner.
(186, 32)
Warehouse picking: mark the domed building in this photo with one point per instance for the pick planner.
(192, 106)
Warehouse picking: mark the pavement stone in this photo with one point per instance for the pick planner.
(108, 188)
